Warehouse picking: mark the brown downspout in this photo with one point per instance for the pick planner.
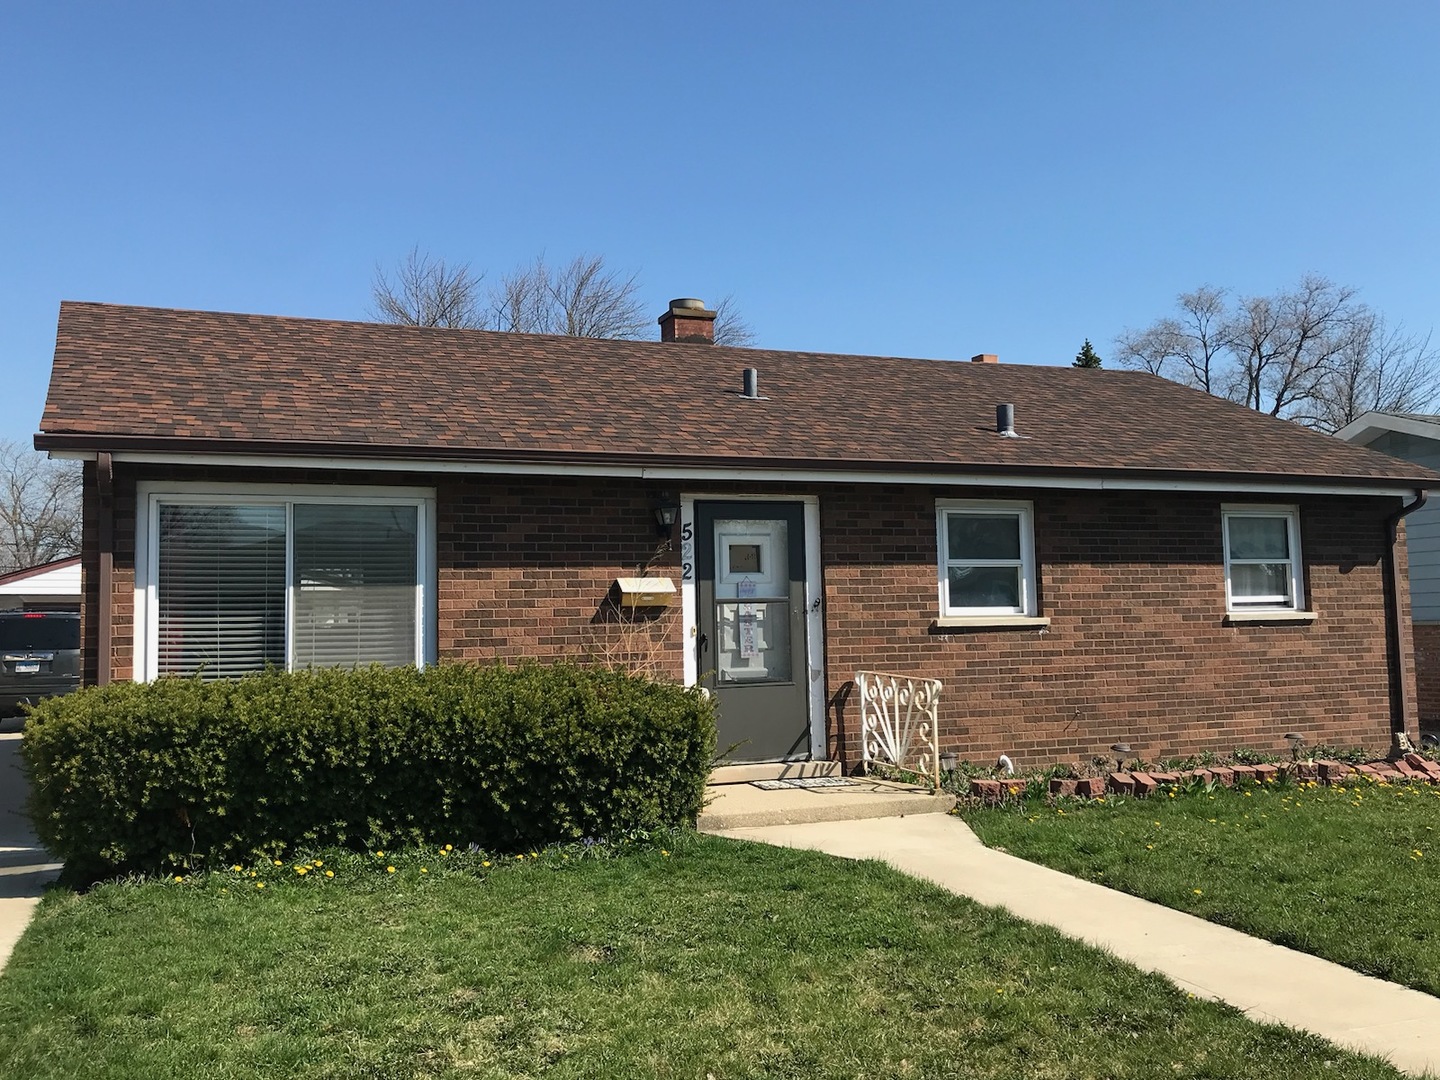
(1396, 638)
(105, 536)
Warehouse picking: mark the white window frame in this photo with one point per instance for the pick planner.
(150, 495)
(1024, 512)
(1291, 516)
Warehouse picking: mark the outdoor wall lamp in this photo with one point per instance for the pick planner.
(667, 509)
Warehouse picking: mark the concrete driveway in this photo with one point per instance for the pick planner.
(25, 867)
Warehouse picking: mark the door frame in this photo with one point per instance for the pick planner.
(814, 598)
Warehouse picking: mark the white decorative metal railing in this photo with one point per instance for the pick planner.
(899, 722)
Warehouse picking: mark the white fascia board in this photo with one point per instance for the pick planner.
(701, 473)
(1372, 425)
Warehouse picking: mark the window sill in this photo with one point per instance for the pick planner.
(1272, 616)
(993, 622)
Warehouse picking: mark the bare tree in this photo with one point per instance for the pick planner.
(730, 328)
(40, 516)
(1287, 344)
(1382, 369)
(427, 292)
(1189, 349)
(1312, 353)
(580, 299)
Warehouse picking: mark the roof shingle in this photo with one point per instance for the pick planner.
(132, 376)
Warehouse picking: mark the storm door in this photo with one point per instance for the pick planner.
(750, 596)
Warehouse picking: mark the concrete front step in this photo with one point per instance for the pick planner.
(744, 806)
(772, 770)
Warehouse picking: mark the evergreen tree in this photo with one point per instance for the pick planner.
(1087, 356)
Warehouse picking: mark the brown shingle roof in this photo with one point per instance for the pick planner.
(127, 377)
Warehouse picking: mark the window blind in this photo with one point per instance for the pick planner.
(221, 589)
(355, 580)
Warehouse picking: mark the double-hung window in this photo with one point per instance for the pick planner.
(987, 558)
(1263, 571)
(237, 579)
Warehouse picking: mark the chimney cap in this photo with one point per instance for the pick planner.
(688, 320)
(985, 358)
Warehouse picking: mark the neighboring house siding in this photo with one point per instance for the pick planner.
(1422, 536)
(1137, 649)
(1422, 529)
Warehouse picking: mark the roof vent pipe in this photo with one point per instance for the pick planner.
(752, 382)
(1005, 421)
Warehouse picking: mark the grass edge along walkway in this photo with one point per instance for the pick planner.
(709, 957)
(1264, 980)
(1346, 872)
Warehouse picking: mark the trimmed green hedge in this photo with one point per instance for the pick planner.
(140, 777)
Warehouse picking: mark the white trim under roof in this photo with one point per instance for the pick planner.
(1372, 425)
(704, 473)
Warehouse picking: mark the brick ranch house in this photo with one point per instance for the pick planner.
(1132, 562)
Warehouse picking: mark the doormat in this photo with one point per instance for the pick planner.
(804, 782)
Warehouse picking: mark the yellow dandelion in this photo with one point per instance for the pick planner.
(1197, 892)
(259, 884)
(389, 869)
(279, 862)
(179, 878)
(237, 869)
(533, 855)
(445, 854)
(520, 857)
(318, 864)
(485, 863)
(302, 870)
(1418, 854)
(1149, 847)
(329, 873)
(379, 854)
(449, 847)
(665, 853)
(423, 870)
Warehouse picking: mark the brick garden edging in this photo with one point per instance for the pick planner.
(1412, 767)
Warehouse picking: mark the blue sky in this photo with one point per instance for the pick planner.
(908, 179)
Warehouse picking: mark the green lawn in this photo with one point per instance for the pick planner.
(1347, 873)
(713, 958)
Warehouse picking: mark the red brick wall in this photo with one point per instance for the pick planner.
(526, 570)
(1137, 649)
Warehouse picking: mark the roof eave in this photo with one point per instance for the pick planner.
(1369, 427)
(137, 448)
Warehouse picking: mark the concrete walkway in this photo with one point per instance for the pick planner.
(1266, 981)
(25, 867)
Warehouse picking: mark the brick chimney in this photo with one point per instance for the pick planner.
(985, 358)
(688, 320)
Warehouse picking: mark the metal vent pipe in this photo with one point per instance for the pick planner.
(1005, 419)
(752, 382)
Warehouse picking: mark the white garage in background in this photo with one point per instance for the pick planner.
(52, 587)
